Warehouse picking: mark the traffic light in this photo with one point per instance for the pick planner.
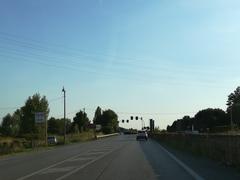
(122, 121)
(127, 121)
(136, 117)
(131, 117)
(151, 125)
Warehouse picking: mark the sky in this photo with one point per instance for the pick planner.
(156, 59)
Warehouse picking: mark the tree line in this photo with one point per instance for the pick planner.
(212, 119)
(22, 121)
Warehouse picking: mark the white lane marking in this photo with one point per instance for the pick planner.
(184, 166)
(81, 159)
(57, 170)
(101, 150)
(44, 169)
(94, 153)
(85, 165)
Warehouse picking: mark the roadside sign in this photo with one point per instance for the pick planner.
(98, 127)
(39, 117)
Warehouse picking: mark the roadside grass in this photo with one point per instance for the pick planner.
(12, 145)
(77, 137)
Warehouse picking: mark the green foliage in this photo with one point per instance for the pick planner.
(56, 126)
(204, 121)
(11, 145)
(6, 125)
(34, 104)
(10, 125)
(97, 116)
(207, 119)
(184, 124)
(233, 104)
(81, 120)
(109, 121)
(16, 122)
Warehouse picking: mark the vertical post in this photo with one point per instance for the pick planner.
(231, 118)
(46, 130)
(64, 104)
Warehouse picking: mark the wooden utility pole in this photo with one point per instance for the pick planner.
(64, 104)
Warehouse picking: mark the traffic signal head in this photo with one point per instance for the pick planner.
(131, 117)
(122, 121)
(136, 117)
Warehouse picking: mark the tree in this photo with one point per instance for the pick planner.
(6, 126)
(97, 116)
(183, 124)
(33, 104)
(11, 124)
(209, 118)
(109, 121)
(53, 126)
(16, 120)
(56, 126)
(204, 121)
(81, 120)
(233, 104)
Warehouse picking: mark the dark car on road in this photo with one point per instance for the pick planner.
(142, 135)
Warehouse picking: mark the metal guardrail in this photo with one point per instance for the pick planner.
(107, 135)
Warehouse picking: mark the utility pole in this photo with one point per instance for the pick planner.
(46, 131)
(64, 104)
(231, 118)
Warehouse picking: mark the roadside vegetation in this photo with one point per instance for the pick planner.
(19, 131)
(212, 133)
(213, 120)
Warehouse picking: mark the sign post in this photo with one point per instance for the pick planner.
(40, 119)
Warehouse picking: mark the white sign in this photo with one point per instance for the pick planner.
(98, 127)
(39, 117)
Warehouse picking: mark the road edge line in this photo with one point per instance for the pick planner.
(183, 165)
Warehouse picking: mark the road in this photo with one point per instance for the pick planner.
(119, 157)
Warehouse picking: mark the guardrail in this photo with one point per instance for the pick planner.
(107, 135)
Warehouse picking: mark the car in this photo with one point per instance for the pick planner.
(142, 135)
(52, 140)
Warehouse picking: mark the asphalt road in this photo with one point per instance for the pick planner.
(120, 157)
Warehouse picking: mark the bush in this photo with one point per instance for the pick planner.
(10, 145)
(107, 129)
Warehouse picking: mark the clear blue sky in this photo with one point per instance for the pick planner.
(164, 59)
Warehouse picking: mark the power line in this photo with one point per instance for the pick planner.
(17, 107)
(122, 76)
(169, 76)
(140, 76)
(121, 62)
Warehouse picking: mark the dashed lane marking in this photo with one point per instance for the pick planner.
(85, 165)
(58, 170)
